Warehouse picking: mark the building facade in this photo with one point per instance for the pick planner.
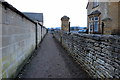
(65, 24)
(103, 17)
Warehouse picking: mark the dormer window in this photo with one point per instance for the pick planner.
(95, 3)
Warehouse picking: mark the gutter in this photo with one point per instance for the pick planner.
(36, 37)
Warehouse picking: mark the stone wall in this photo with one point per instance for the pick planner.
(97, 54)
(119, 18)
(17, 40)
(44, 31)
(39, 38)
(0, 40)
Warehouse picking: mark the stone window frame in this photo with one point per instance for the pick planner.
(91, 25)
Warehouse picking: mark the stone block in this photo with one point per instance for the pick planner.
(116, 65)
(95, 50)
(0, 13)
(115, 55)
(4, 75)
(6, 41)
(99, 73)
(12, 70)
(117, 50)
(0, 42)
(109, 67)
(1, 28)
(5, 29)
(17, 41)
(110, 48)
(0, 63)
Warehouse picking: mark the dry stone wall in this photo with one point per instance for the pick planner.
(99, 55)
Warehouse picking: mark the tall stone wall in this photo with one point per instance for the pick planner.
(39, 38)
(44, 31)
(119, 17)
(0, 40)
(17, 39)
(99, 55)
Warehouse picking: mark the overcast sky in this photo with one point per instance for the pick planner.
(53, 10)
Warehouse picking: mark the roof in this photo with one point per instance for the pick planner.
(2, 1)
(34, 16)
(107, 19)
(87, 5)
(95, 12)
(65, 17)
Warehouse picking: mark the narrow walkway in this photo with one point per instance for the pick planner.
(52, 61)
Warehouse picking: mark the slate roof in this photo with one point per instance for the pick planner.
(95, 12)
(34, 16)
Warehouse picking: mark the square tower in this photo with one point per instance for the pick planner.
(65, 24)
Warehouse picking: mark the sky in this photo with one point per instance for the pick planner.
(53, 10)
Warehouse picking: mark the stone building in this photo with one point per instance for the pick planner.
(65, 24)
(103, 17)
(35, 16)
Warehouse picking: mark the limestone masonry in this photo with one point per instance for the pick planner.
(99, 55)
(19, 38)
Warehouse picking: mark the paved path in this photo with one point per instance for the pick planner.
(52, 61)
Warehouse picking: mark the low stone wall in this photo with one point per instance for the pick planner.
(99, 55)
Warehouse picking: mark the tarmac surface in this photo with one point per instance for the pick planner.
(52, 61)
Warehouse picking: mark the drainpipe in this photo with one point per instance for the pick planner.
(36, 36)
(102, 27)
(41, 32)
(69, 26)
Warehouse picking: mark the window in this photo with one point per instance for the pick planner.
(90, 27)
(95, 3)
(96, 18)
(94, 24)
(92, 18)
